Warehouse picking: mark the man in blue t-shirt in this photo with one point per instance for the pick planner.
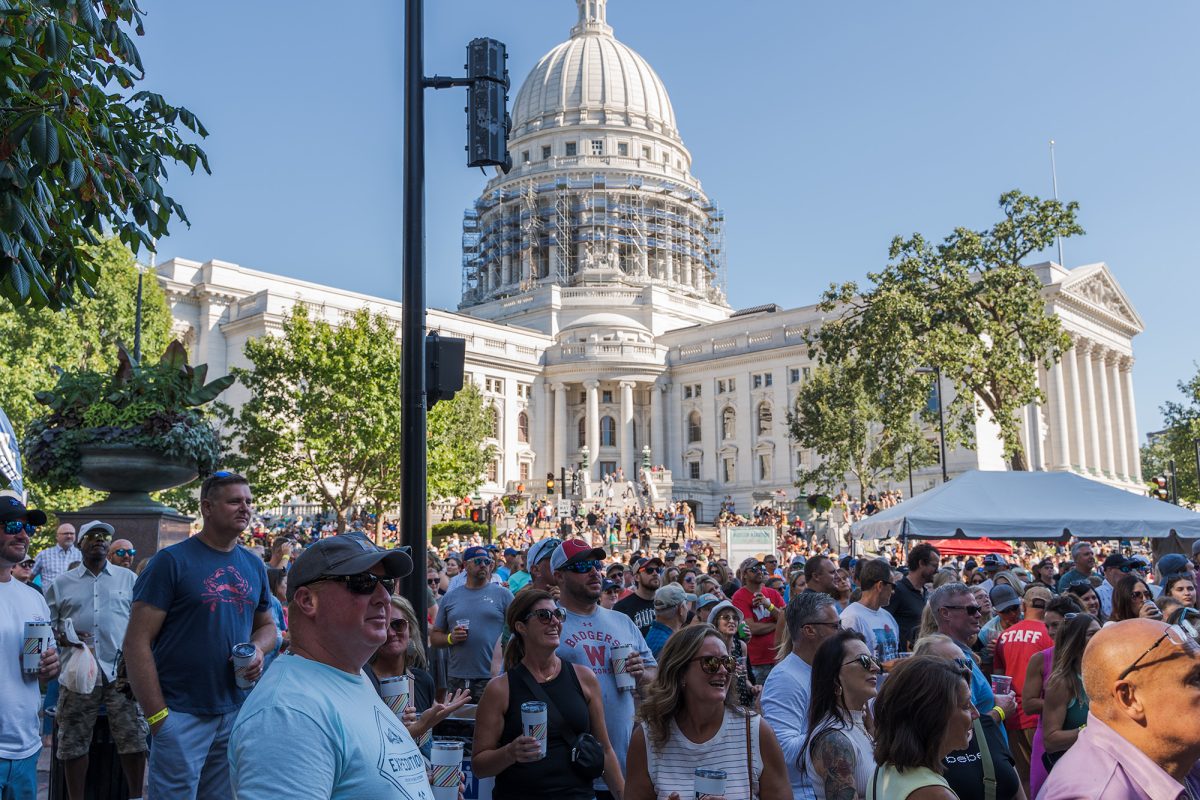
(192, 604)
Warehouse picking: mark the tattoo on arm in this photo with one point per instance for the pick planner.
(834, 760)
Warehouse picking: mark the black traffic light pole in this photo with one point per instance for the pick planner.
(487, 144)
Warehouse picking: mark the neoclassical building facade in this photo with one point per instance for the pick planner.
(593, 306)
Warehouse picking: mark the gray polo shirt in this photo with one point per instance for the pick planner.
(485, 608)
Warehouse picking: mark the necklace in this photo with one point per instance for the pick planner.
(550, 675)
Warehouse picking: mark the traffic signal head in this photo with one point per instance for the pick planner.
(1160, 488)
(549, 483)
(488, 123)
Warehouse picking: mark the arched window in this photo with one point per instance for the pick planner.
(495, 423)
(582, 432)
(523, 428)
(608, 432)
(728, 423)
(693, 427)
(765, 419)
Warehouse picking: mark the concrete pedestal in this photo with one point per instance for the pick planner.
(150, 526)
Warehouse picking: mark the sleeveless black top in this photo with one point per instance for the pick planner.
(552, 777)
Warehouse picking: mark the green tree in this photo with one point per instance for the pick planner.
(1181, 428)
(82, 336)
(853, 435)
(79, 151)
(457, 458)
(966, 306)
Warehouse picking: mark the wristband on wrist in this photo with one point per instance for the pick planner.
(155, 718)
(999, 711)
(450, 638)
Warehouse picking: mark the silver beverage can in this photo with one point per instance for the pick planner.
(39, 637)
(243, 654)
(709, 783)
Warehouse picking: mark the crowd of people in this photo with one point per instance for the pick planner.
(590, 671)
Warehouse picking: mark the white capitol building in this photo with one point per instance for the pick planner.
(596, 321)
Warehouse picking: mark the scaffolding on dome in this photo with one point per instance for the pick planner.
(567, 228)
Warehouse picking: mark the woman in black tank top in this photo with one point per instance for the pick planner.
(501, 748)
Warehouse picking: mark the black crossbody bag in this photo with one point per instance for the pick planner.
(585, 751)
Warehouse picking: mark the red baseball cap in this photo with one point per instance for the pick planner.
(575, 550)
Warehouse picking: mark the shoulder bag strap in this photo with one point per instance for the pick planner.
(749, 759)
(989, 766)
(551, 708)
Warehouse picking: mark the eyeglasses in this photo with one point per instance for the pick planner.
(122, 552)
(13, 527)
(584, 567)
(711, 665)
(546, 615)
(1175, 634)
(480, 561)
(399, 625)
(971, 610)
(434, 581)
(864, 661)
(363, 583)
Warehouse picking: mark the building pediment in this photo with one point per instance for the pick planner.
(1095, 287)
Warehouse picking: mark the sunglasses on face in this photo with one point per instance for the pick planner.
(14, 527)
(434, 581)
(122, 552)
(584, 567)
(963, 663)
(971, 610)
(864, 661)
(26, 564)
(480, 561)
(1138, 595)
(399, 625)
(363, 583)
(546, 615)
(711, 665)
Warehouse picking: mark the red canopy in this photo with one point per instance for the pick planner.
(971, 547)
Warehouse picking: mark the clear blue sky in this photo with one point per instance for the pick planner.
(823, 129)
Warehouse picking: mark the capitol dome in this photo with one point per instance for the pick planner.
(593, 79)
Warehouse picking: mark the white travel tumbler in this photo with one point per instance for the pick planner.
(394, 692)
(446, 760)
(533, 719)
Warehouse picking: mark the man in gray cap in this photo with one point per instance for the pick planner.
(339, 595)
(670, 612)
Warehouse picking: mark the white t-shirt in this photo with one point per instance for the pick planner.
(349, 744)
(673, 769)
(20, 736)
(879, 628)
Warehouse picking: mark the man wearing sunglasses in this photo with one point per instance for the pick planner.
(1141, 740)
(317, 697)
(20, 696)
(590, 632)
(1115, 566)
(469, 621)
(194, 601)
(638, 605)
(121, 553)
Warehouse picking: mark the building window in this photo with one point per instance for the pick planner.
(761, 380)
(525, 156)
(572, 149)
(524, 470)
(765, 418)
(582, 398)
(607, 468)
(608, 432)
(728, 423)
(524, 391)
(666, 158)
(695, 390)
(764, 466)
(645, 152)
(597, 147)
(582, 432)
(728, 469)
(720, 387)
(545, 152)
(493, 385)
(495, 423)
(694, 470)
(523, 428)
(693, 427)
(606, 396)
(805, 373)
(493, 470)
(794, 375)
(622, 148)
(687, 392)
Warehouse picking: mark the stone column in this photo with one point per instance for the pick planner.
(1058, 400)
(562, 428)
(627, 455)
(1106, 415)
(541, 420)
(1095, 460)
(1118, 402)
(1135, 455)
(593, 426)
(1078, 441)
(658, 425)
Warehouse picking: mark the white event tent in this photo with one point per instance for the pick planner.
(1029, 505)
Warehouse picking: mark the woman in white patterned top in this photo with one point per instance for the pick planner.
(690, 719)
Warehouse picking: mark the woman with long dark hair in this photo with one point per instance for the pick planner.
(574, 706)
(1133, 599)
(1182, 587)
(1065, 710)
(1086, 594)
(690, 718)
(1033, 699)
(838, 752)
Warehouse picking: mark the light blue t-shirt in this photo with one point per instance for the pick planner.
(355, 747)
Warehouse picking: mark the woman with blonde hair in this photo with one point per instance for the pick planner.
(689, 718)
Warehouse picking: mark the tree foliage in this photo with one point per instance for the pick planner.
(966, 306)
(853, 435)
(79, 150)
(84, 336)
(322, 419)
(1181, 428)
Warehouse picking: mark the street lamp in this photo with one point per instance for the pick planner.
(584, 455)
(646, 457)
(937, 374)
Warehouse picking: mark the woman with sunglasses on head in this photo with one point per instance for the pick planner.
(574, 706)
(690, 718)
(727, 618)
(401, 655)
(838, 752)
(1132, 599)
(1065, 710)
(1086, 594)
(1036, 675)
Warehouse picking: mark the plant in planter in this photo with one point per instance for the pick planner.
(142, 429)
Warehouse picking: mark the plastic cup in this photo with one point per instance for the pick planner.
(39, 637)
(533, 718)
(446, 760)
(620, 656)
(465, 624)
(243, 654)
(1001, 684)
(709, 783)
(395, 693)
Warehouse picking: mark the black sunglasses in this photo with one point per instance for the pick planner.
(363, 583)
(971, 610)
(546, 615)
(399, 625)
(864, 661)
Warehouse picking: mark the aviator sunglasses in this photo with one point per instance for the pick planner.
(710, 665)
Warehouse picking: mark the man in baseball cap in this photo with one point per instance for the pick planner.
(638, 605)
(670, 612)
(345, 555)
(537, 562)
(575, 551)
